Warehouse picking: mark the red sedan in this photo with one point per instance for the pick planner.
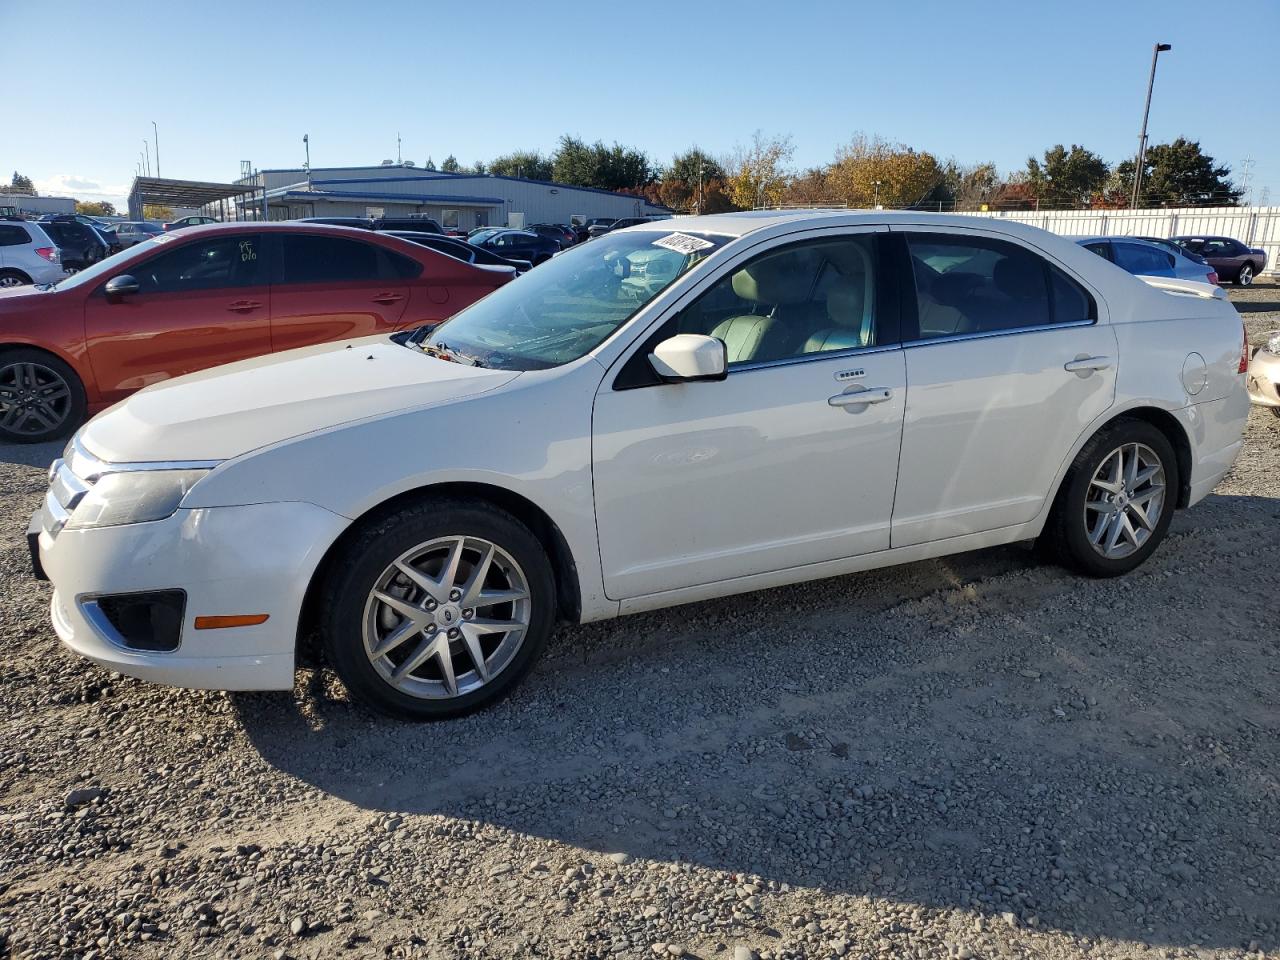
(195, 298)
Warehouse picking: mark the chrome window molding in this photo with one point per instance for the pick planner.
(988, 334)
(811, 357)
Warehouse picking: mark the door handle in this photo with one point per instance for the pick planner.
(388, 298)
(855, 397)
(244, 306)
(1084, 366)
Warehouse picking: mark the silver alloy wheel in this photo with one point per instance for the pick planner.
(1246, 275)
(10, 281)
(446, 617)
(1124, 501)
(34, 399)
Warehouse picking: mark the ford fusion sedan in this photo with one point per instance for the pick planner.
(660, 416)
(206, 295)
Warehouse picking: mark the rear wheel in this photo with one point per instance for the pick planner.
(13, 278)
(1116, 502)
(438, 609)
(41, 398)
(1245, 277)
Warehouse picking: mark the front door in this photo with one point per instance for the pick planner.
(788, 461)
(199, 304)
(1008, 365)
(330, 288)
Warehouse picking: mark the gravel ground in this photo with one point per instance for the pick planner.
(972, 757)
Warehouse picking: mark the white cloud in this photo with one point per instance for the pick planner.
(82, 188)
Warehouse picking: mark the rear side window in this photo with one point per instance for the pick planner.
(309, 259)
(399, 266)
(1138, 258)
(11, 235)
(976, 285)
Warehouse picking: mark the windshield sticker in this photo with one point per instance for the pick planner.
(683, 243)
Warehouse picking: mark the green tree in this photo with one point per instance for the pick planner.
(478, 168)
(429, 165)
(758, 172)
(615, 167)
(522, 163)
(693, 183)
(1177, 174)
(1066, 178)
(96, 208)
(685, 167)
(22, 184)
(967, 187)
(451, 164)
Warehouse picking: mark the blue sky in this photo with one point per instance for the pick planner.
(972, 80)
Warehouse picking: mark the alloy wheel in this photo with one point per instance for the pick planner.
(1246, 275)
(446, 617)
(34, 399)
(1124, 501)
(10, 281)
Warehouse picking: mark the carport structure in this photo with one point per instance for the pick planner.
(209, 198)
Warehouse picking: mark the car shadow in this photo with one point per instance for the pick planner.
(1256, 306)
(31, 454)
(982, 732)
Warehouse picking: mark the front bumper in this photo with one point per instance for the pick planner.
(1263, 379)
(252, 559)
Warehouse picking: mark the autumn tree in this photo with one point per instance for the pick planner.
(1066, 178)
(156, 211)
(1177, 174)
(967, 187)
(95, 208)
(530, 164)
(869, 168)
(808, 187)
(758, 172)
(694, 182)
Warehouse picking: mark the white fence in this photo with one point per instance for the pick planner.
(1252, 226)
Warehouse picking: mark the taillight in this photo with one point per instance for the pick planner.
(1244, 350)
(49, 253)
(1213, 276)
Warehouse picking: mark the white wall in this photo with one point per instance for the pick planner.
(1252, 226)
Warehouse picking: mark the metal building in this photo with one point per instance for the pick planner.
(458, 200)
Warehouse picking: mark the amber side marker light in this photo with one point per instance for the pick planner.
(238, 620)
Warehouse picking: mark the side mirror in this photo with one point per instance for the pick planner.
(690, 356)
(122, 285)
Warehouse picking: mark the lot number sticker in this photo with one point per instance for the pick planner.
(683, 243)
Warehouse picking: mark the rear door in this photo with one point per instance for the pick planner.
(1007, 362)
(199, 304)
(330, 288)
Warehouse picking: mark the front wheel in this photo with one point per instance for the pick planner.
(438, 609)
(1116, 501)
(1245, 277)
(41, 398)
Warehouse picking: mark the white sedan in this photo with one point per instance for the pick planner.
(677, 411)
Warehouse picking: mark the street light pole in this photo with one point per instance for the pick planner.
(147, 147)
(877, 200)
(156, 131)
(1146, 112)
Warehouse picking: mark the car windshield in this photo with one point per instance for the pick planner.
(567, 307)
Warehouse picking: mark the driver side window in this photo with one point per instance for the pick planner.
(227, 261)
(809, 298)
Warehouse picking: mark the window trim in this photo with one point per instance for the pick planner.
(907, 284)
(888, 294)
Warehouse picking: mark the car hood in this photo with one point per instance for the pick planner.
(230, 410)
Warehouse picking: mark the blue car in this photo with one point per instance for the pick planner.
(1147, 258)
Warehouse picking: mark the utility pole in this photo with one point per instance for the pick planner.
(1142, 137)
(156, 131)
(700, 166)
(1246, 163)
(876, 183)
(398, 161)
(306, 145)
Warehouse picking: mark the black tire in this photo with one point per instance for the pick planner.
(7, 278)
(1276, 411)
(1066, 537)
(71, 411)
(1245, 277)
(363, 560)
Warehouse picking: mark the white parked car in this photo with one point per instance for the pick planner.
(806, 395)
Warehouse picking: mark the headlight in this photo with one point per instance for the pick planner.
(1273, 343)
(120, 498)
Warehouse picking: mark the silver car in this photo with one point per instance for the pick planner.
(1146, 259)
(28, 255)
(1263, 378)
